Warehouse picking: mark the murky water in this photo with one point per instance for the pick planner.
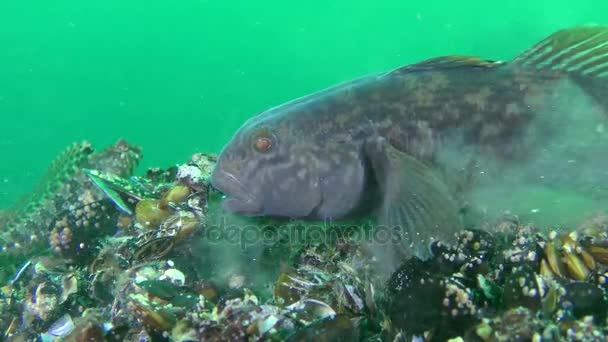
(149, 254)
(179, 78)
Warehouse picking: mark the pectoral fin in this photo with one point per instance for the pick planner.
(415, 201)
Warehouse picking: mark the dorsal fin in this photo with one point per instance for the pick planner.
(448, 62)
(581, 50)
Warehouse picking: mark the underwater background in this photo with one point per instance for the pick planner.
(179, 77)
(109, 248)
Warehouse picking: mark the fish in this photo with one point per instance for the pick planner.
(404, 145)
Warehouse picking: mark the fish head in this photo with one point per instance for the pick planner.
(264, 171)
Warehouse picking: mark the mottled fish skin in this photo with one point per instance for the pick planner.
(310, 158)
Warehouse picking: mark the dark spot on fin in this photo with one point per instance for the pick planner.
(415, 201)
(580, 50)
(448, 62)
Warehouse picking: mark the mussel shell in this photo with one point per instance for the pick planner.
(523, 289)
(599, 253)
(577, 269)
(165, 290)
(337, 328)
(154, 320)
(477, 242)
(419, 300)
(553, 259)
(207, 290)
(518, 324)
(177, 194)
(150, 213)
(153, 249)
(292, 286)
(585, 299)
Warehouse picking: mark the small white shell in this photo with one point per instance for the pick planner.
(175, 276)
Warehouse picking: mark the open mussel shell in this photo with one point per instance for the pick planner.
(61, 327)
(122, 192)
(310, 310)
(153, 249)
(291, 287)
(182, 224)
(354, 301)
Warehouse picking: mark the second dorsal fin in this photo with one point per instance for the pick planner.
(580, 50)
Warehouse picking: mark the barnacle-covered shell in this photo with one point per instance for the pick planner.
(518, 324)
(524, 288)
(420, 300)
(585, 299)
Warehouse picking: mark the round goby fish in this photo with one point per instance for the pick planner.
(401, 144)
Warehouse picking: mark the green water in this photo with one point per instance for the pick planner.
(178, 77)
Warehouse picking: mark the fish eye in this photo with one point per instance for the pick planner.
(262, 143)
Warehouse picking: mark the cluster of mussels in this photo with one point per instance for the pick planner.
(118, 267)
(108, 256)
(515, 284)
(74, 247)
(67, 202)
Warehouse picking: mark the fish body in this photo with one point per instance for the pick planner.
(401, 143)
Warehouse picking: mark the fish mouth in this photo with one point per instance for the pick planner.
(239, 199)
